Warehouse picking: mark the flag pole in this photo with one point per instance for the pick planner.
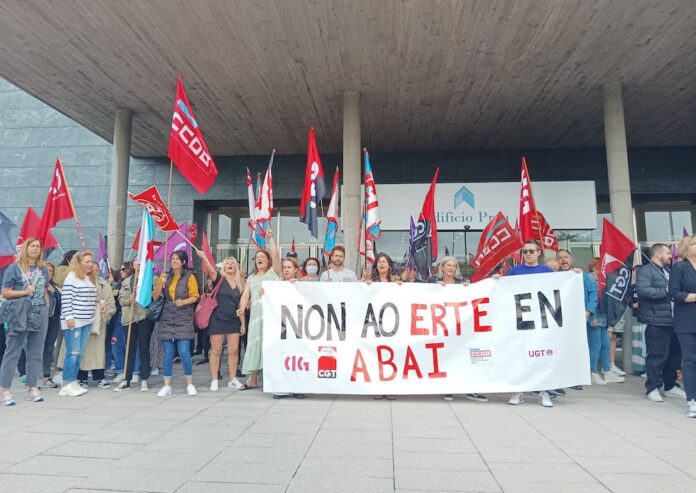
(130, 324)
(72, 206)
(186, 240)
(169, 196)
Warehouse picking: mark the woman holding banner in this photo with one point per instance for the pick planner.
(266, 268)
(175, 326)
(448, 273)
(382, 271)
(682, 289)
(24, 290)
(225, 324)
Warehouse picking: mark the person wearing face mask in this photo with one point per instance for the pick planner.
(225, 325)
(310, 267)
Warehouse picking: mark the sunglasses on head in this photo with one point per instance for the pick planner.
(524, 251)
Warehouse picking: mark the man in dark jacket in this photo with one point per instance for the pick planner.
(655, 310)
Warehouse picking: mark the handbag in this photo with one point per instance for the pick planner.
(154, 309)
(205, 308)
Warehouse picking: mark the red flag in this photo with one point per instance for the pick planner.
(292, 246)
(615, 266)
(424, 245)
(542, 229)
(187, 148)
(136, 241)
(498, 240)
(314, 187)
(193, 233)
(32, 227)
(58, 203)
(152, 201)
(205, 246)
(527, 206)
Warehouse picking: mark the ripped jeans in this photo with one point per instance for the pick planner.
(75, 343)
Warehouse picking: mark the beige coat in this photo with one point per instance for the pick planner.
(95, 356)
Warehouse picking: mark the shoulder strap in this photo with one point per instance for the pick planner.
(221, 279)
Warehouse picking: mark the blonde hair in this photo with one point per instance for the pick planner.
(294, 263)
(684, 245)
(23, 257)
(441, 265)
(75, 267)
(238, 279)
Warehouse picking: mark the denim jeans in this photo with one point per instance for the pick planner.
(32, 341)
(118, 345)
(598, 341)
(75, 343)
(184, 348)
(688, 349)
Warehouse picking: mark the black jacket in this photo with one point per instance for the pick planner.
(682, 282)
(654, 302)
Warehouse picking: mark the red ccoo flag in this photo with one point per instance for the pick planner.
(527, 206)
(59, 205)
(615, 266)
(498, 240)
(151, 200)
(187, 148)
(542, 230)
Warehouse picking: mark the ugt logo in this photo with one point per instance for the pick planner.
(296, 363)
(327, 362)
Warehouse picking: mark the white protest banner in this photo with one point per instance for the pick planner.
(515, 334)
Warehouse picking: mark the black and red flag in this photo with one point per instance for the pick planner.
(498, 240)
(424, 246)
(314, 189)
(615, 266)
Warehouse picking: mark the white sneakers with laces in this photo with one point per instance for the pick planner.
(33, 395)
(691, 408)
(597, 379)
(214, 385)
(143, 386)
(191, 390)
(545, 399)
(516, 399)
(611, 377)
(235, 384)
(675, 391)
(165, 391)
(618, 371)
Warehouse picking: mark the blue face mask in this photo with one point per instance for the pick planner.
(312, 270)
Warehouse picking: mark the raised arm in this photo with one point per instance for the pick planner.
(209, 269)
(275, 253)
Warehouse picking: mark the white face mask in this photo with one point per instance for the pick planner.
(312, 270)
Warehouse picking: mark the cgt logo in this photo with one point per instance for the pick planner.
(296, 363)
(327, 362)
(541, 356)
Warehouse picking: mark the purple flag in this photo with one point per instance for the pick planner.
(175, 241)
(102, 258)
(674, 250)
(411, 264)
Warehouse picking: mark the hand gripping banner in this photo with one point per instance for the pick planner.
(522, 333)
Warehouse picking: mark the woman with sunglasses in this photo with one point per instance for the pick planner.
(225, 325)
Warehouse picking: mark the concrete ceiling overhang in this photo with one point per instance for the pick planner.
(433, 74)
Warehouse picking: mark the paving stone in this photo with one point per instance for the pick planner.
(150, 480)
(53, 465)
(341, 484)
(446, 480)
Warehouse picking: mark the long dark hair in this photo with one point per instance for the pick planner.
(184, 262)
(375, 272)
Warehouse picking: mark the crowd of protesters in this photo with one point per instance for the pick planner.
(64, 322)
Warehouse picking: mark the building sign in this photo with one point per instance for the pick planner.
(565, 204)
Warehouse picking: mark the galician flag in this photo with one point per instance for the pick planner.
(258, 235)
(332, 218)
(143, 292)
(373, 230)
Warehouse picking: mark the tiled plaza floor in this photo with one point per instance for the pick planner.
(600, 439)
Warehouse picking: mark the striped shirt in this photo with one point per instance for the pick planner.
(78, 300)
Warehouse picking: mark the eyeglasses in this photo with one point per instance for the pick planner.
(525, 252)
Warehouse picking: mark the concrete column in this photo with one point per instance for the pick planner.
(118, 195)
(619, 181)
(350, 208)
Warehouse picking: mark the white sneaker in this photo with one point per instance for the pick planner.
(597, 379)
(516, 399)
(6, 399)
(213, 385)
(58, 378)
(235, 384)
(154, 372)
(545, 399)
(654, 396)
(104, 384)
(34, 395)
(122, 386)
(691, 408)
(448, 397)
(611, 377)
(165, 391)
(191, 390)
(143, 386)
(82, 390)
(135, 379)
(119, 378)
(618, 371)
(69, 390)
(676, 392)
